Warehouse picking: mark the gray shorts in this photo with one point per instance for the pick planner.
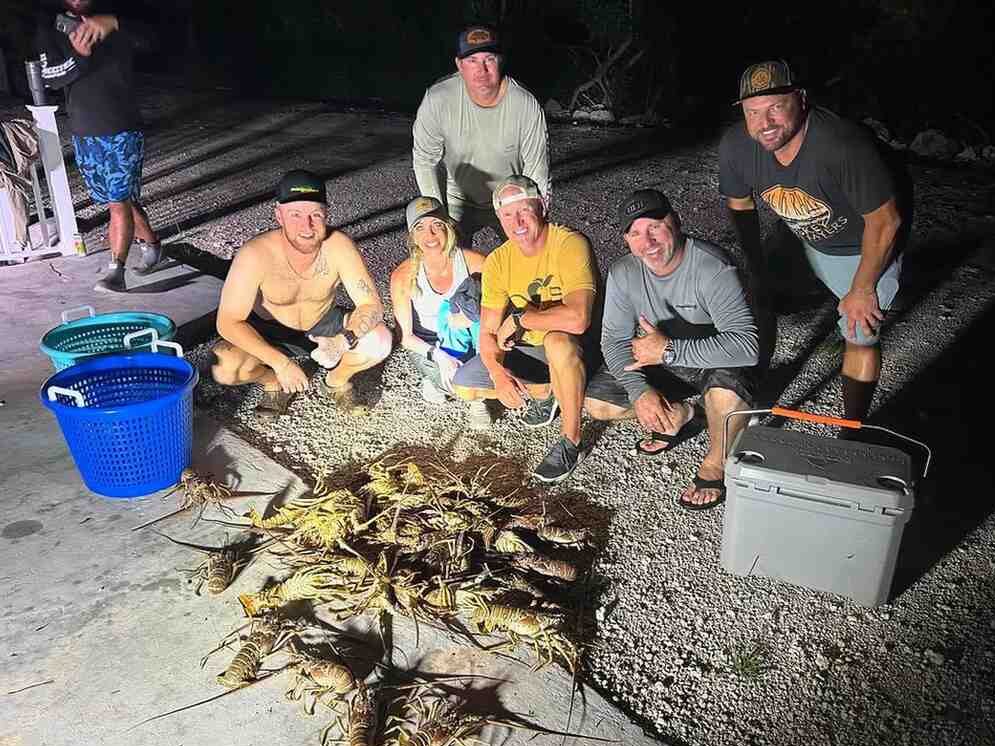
(674, 382)
(524, 362)
(836, 273)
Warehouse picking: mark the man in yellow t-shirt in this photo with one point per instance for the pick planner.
(538, 291)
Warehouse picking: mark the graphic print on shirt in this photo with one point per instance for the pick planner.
(541, 294)
(808, 218)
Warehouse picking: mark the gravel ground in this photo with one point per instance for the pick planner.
(697, 655)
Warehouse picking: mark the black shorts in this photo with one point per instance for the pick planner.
(676, 383)
(295, 342)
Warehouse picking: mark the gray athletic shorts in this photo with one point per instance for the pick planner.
(836, 273)
(524, 362)
(295, 342)
(673, 383)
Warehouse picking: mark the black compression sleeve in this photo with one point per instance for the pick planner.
(747, 226)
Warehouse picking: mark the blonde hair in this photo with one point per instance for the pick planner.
(416, 253)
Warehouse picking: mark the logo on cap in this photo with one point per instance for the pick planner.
(635, 207)
(304, 189)
(423, 203)
(760, 78)
(479, 36)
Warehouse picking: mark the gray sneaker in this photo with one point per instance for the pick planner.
(150, 254)
(540, 412)
(432, 393)
(479, 417)
(113, 281)
(559, 463)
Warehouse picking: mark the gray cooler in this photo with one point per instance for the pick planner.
(823, 513)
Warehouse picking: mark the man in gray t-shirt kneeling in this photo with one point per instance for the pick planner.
(674, 311)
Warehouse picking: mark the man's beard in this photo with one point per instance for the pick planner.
(305, 245)
(784, 136)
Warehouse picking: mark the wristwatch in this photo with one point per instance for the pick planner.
(430, 355)
(351, 339)
(668, 353)
(516, 316)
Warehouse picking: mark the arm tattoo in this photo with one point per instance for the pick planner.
(364, 320)
(364, 287)
(320, 266)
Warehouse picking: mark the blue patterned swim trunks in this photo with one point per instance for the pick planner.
(111, 165)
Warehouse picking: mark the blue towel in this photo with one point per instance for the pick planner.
(462, 344)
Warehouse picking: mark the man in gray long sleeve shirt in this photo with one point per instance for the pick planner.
(482, 127)
(674, 308)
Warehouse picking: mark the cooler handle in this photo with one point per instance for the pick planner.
(793, 414)
(54, 391)
(66, 314)
(141, 333)
(174, 346)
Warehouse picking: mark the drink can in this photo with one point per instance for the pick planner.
(36, 83)
(79, 244)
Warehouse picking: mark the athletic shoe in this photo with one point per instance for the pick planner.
(479, 417)
(540, 412)
(150, 254)
(432, 393)
(344, 397)
(559, 463)
(113, 281)
(273, 405)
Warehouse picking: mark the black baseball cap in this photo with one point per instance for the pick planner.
(766, 79)
(301, 186)
(475, 39)
(643, 203)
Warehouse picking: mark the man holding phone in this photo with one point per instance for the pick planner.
(92, 58)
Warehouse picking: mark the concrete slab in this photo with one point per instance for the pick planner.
(100, 630)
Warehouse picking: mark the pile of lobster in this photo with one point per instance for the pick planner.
(472, 552)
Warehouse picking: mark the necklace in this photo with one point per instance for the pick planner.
(318, 263)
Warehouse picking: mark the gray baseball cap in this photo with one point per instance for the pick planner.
(423, 207)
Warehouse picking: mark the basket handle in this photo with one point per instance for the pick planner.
(54, 391)
(141, 333)
(67, 314)
(793, 414)
(174, 346)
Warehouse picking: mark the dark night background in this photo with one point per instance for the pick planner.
(912, 64)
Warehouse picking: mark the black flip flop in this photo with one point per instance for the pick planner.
(691, 428)
(706, 484)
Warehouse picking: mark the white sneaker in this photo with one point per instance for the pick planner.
(431, 393)
(479, 417)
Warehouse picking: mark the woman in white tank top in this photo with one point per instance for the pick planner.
(434, 270)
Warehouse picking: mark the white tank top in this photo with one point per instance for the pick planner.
(426, 303)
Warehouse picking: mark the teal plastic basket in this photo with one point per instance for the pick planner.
(77, 339)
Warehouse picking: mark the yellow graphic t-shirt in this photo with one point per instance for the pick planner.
(564, 265)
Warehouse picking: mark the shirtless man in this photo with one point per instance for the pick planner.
(278, 302)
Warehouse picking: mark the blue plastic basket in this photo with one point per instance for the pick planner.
(75, 340)
(127, 419)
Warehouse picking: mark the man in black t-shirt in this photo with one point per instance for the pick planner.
(824, 179)
(92, 58)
